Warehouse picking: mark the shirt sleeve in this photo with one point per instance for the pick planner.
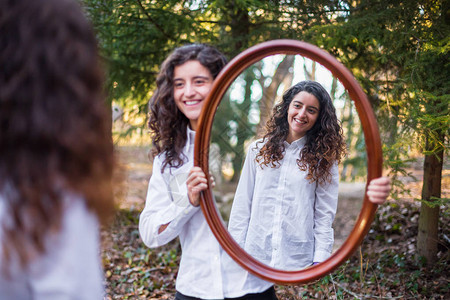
(161, 210)
(324, 211)
(242, 204)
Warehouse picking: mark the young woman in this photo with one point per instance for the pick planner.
(172, 206)
(286, 198)
(56, 152)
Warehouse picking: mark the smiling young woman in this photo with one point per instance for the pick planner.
(286, 200)
(172, 206)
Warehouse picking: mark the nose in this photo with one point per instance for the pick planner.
(189, 90)
(302, 112)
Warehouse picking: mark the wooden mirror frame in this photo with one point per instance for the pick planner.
(373, 147)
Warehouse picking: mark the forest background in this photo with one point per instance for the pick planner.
(399, 53)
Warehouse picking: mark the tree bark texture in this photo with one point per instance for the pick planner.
(269, 94)
(427, 237)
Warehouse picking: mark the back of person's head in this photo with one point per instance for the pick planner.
(54, 122)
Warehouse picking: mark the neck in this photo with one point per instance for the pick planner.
(193, 125)
(290, 138)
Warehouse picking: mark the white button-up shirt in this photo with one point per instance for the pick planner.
(71, 266)
(281, 218)
(206, 271)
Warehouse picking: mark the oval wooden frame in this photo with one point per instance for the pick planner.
(373, 148)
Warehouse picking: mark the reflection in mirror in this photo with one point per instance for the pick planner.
(241, 118)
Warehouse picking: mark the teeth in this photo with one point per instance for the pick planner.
(191, 102)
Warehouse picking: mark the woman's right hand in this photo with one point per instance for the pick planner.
(196, 183)
(379, 189)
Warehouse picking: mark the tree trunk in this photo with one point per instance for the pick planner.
(269, 93)
(310, 75)
(427, 237)
(239, 21)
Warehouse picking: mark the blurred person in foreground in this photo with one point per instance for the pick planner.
(56, 152)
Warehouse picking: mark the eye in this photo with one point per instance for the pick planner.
(178, 84)
(200, 81)
(312, 111)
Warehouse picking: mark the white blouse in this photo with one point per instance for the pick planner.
(278, 216)
(206, 271)
(70, 269)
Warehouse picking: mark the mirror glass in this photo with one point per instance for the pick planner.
(241, 118)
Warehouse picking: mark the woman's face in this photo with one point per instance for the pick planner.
(192, 83)
(302, 115)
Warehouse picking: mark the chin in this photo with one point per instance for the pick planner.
(192, 116)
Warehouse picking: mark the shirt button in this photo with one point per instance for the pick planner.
(216, 257)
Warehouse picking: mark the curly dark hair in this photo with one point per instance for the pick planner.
(325, 143)
(55, 134)
(167, 123)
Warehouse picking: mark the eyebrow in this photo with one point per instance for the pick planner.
(195, 77)
(310, 106)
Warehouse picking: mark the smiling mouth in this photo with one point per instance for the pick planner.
(299, 121)
(192, 102)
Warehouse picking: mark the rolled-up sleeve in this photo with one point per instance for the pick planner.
(324, 213)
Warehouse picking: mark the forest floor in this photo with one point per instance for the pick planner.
(384, 267)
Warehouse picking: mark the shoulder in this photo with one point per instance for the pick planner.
(159, 161)
(159, 158)
(254, 149)
(256, 146)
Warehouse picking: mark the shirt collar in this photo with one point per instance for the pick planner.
(190, 138)
(297, 143)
